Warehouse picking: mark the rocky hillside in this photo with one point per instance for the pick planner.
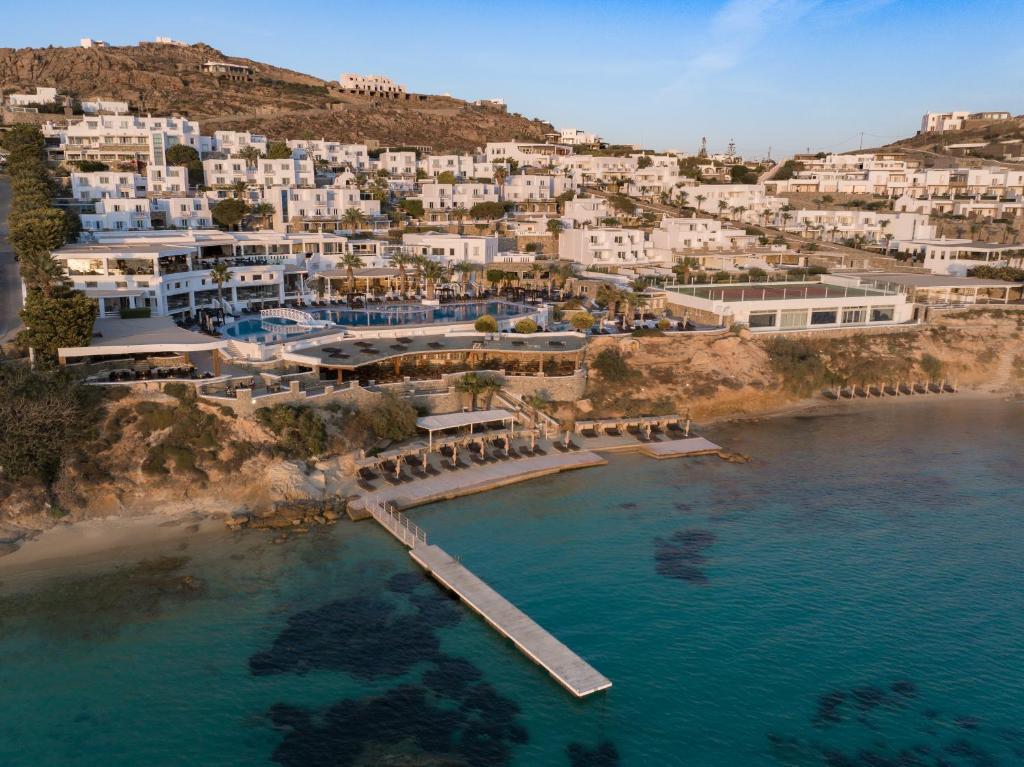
(281, 103)
(1002, 139)
(727, 375)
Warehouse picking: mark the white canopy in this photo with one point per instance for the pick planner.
(454, 420)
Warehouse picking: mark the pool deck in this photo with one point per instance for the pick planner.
(476, 479)
(565, 666)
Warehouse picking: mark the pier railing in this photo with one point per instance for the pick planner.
(396, 523)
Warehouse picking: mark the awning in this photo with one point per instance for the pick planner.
(454, 420)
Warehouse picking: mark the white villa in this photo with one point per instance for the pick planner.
(450, 249)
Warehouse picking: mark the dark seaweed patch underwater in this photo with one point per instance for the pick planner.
(452, 717)
(681, 555)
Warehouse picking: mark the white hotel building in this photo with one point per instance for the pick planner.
(169, 271)
(334, 153)
(451, 249)
(605, 247)
(445, 197)
(125, 138)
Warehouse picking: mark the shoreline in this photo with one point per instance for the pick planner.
(95, 541)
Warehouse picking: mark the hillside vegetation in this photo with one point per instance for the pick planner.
(281, 103)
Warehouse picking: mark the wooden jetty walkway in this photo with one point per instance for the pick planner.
(565, 666)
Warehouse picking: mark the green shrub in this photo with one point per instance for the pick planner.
(180, 391)
(799, 363)
(931, 366)
(526, 326)
(142, 311)
(612, 366)
(393, 418)
(486, 324)
(300, 430)
(152, 416)
(647, 333)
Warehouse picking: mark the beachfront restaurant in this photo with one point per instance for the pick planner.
(448, 425)
(424, 357)
(764, 306)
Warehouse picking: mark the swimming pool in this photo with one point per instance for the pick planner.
(274, 329)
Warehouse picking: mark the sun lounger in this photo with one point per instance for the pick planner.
(475, 458)
(525, 451)
(560, 447)
(633, 429)
(391, 479)
(589, 433)
(432, 471)
(675, 427)
(418, 472)
(365, 485)
(539, 451)
(570, 445)
(613, 431)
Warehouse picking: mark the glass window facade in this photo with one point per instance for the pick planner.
(824, 317)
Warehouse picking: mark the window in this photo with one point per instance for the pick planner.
(793, 318)
(762, 319)
(855, 315)
(823, 317)
(883, 313)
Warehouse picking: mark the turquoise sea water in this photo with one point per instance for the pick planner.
(853, 596)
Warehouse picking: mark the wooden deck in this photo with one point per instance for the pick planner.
(565, 666)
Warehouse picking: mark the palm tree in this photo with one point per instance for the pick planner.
(418, 263)
(219, 274)
(238, 190)
(402, 261)
(474, 385)
(738, 211)
(464, 269)
(351, 262)
(684, 198)
(459, 213)
(262, 211)
(500, 174)
(250, 154)
(722, 206)
(434, 273)
(700, 201)
(354, 218)
(555, 226)
(786, 218)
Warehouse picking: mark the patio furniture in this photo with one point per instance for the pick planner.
(365, 485)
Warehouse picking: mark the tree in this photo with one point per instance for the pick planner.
(413, 207)
(500, 174)
(459, 213)
(683, 267)
(56, 321)
(354, 218)
(219, 275)
(228, 212)
(239, 189)
(263, 211)
(402, 262)
(446, 177)
(555, 226)
(700, 198)
(434, 273)
(41, 272)
(494, 276)
(185, 156)
(250, 154)
(487, 210)
(393, 418)
(644, 162)
(612, 366)
(351, 262)
(486, 324)
(582, 321)
(474, 384)
(526, 326)
(722, 205)
(44, 416)
(278, 150)
(41, 229)
(464, 269)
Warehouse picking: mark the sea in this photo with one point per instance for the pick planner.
(852, 596)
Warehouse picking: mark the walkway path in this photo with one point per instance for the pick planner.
(565, 666)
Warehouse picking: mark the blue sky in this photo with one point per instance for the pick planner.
(785, 74)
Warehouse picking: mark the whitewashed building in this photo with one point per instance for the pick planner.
(184, 212)
(334, 153)
(450, 249)
(605, 247)
(118, 214)
(97, 185)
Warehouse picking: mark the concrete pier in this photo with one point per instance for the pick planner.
(565, 666)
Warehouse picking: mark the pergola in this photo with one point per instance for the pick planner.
(445, 421)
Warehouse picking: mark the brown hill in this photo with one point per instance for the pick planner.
(281, 103)
(1002, 139)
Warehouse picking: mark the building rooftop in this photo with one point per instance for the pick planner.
(141, 335)
(909, 280)
(767, 291)
(351, 353)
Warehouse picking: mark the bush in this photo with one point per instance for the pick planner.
(647, 333)
(141, 311)
(932, 366)
(152, 416)
(180, 391)
(393, 418)
(799, 364)
(612, 366)
(300, 430)
(486, 324)
(525, 326)
(664, 323)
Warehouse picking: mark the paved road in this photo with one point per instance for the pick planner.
(10, 282)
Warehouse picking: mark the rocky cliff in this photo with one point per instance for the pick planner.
(281, 103)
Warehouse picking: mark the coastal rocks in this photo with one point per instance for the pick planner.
(731, 457)
(294, 516)
(681, 555)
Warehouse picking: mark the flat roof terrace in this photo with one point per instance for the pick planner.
(349, 354)
(760, 291)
